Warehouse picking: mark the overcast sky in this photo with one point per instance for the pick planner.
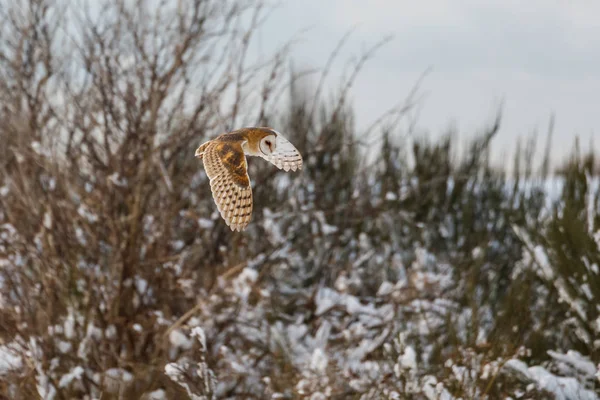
(535, 56)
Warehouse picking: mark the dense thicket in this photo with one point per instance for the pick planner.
(405, 273)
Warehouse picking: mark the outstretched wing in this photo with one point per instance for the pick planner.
(226, 167)
(285, 156)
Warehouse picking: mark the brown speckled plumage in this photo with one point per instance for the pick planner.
(224, 159)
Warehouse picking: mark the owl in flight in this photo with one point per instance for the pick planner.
(224, 159)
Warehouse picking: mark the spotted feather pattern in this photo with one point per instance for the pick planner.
(285, 156)
(226, 167)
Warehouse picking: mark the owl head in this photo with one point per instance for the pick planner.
(262, 141)
(271, 145)
(268, 144)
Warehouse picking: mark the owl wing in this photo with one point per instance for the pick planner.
(285, 156)
(226, 167)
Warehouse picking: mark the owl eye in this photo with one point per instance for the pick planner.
(268, 142)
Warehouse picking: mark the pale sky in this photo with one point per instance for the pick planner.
(537, 57)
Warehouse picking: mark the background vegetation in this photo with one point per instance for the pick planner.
(389, 267)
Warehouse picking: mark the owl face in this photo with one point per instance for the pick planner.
(268, 145)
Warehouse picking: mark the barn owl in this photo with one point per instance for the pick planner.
(224, 159)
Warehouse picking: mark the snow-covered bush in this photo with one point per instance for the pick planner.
(404, 274)
(565, 254)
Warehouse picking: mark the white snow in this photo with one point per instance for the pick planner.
(69, 325)
(408, 360)
(64, 346)
(141, 285)
(47, 220)
(9, 360)
(319, 361)
(74, 374)
(198, 333)
(117, 180)
(158, 394)
(564, 388)
(391, 196)
(179, 340)
(385, 288)
(119, 374)
(84, 212)
(575, 360)
(205, 223)
(242, 284)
